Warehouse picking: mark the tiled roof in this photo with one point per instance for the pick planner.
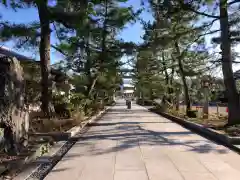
(7, 52)
(2, 55)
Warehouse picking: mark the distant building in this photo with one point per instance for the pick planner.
(128, 90)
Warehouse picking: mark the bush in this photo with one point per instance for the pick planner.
(192, 113)
(110, 103)
(139, 101)
(78, 116)
(176, 113)
(62, 110)
(145, 102)
(233, 130)
(61, 106)
(96, 106)
(148, 102)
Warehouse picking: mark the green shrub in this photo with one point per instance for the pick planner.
(176, 113)
(78, 115)
(62, 110)
(61, 105)
(110, 103)
(139, 101)
(96, 106)
(145, 102)
(192, 113)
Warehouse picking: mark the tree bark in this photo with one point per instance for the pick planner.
(171, 85)
(92, 85)
(165, 70)
(183, 77)
(91, 81)
(177, 100)
(229, 82)
(171, 79)
(44, 50)
(167, 78)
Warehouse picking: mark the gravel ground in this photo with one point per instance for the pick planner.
(42, 170)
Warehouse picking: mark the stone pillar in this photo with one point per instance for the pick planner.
(14, 117)
(205, 86)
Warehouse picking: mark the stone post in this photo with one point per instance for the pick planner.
(178, 92)
(205, 86)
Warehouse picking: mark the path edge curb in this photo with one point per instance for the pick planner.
(55, 158)
(230, 142)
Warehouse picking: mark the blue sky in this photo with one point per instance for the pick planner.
(130, 33)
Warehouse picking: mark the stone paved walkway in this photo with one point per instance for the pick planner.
(139, 145)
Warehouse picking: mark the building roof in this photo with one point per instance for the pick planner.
(128, 91)
(4, 51)
(128, 85)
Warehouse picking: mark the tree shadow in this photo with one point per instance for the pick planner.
(125, 122)
(123, 135)
(120, 110)
(131, 135)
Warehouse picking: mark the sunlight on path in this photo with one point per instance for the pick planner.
(139, 145)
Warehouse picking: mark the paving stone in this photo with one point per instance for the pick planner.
(129, 162)
(187, 163)
(198, 176)
(162, 169)
(130, 175)
(139, 145)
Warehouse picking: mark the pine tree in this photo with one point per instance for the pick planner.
(172, 38)
(95, 51)
(227, 39)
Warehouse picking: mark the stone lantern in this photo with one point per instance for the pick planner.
(205, 83)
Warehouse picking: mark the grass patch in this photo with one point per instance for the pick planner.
(214, 121)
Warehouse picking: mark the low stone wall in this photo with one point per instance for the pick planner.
(229, 141)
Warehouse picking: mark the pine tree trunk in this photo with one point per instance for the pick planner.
(165, 71)
(92, 85)
(91, 81)
(177, 100)
(171, 80)
(229, 82)
(183, 77)
(44, 50)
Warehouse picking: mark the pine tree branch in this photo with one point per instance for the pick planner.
(59, 50)
(233, 2)
(189, 8)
